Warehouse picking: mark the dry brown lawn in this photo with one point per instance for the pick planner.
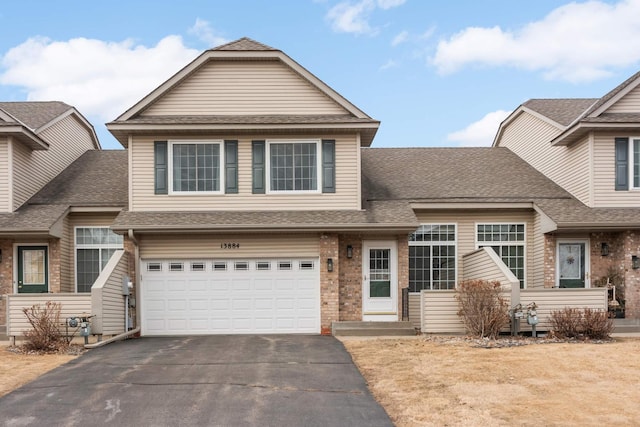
(19, 369)
(451, 382)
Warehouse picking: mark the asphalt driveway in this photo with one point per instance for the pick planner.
(274, 380)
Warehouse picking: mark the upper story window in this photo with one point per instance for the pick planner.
(627, 163)
(432, 257)
(293, 166)
(196, 166)
(508, 241)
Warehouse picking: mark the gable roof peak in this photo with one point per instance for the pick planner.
(245, 43)
(614, 94)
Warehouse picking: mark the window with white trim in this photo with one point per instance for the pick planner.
(94, 247)
(432, 257)
(196, 166)
(293, 166)
(508, 241)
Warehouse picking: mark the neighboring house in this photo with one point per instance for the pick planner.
(38, 140)
(590, 147)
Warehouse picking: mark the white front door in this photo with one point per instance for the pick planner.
(572, 258)
(380, 281)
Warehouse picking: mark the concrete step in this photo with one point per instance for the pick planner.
(626, 325)
(372, 329)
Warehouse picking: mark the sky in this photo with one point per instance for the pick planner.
(435, 73)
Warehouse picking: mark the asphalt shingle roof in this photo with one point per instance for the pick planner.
(97, 178)
(35, 114)
(452, 173)
(563, 111)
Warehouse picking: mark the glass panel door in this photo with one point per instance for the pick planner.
(572, 264)
(32, 269)
(380, 281)
(380, 273)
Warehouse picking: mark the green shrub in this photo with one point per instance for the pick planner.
(482, 308)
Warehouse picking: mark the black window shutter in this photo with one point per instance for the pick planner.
(328, 166)
(231, 167)
(161, 166)
(258, 167)
(622, 164)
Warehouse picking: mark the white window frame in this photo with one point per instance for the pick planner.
(632, 163)
(76, 246)
(453, 243)
(218, 142)
(317, 143)
(507, 243)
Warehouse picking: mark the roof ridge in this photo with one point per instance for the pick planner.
(244, 43)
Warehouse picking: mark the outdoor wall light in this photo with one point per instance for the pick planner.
(635, 262)
(604, 249)
(329, 265)
(349, 251)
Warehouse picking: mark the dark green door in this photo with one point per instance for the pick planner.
(33, 273)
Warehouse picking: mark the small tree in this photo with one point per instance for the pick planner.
(483, 309)
(45, 334)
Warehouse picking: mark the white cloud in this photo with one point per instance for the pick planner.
(400, 38)
(575, 42)
(348, 17)
(351, 18)
(206, 33)
(100, 78)
(389, 64)
(389, 4)
(480, 133)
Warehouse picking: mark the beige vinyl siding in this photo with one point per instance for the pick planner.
(549, 300)
(244, 88)
(345, 197)
(5, 196)
(107, 301)
(604, 174)
(68, 244)
(67, 139)
(71, 305)
(630, 103)
(570, 167)
(67, 268)
(466, 232)
(440, 307)
(441, 313)
(203, 246)
(479, 265)
(537, 254)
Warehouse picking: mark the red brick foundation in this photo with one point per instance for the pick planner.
(329, 282)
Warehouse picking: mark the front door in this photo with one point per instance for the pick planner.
(32, 269)
(380, 281)
(573, 264)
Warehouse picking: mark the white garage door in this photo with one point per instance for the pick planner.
(230, 296)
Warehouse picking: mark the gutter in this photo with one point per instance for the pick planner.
(281, 228)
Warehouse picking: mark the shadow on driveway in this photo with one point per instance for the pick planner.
(267, 380)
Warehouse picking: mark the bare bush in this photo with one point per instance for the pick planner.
(596, 324)
(566, 323)
(44, 334)
(577, 323)
(482, 308)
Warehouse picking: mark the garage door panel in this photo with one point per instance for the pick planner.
(248, 296)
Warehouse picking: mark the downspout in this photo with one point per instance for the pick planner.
(137, 329)
(136, 251)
